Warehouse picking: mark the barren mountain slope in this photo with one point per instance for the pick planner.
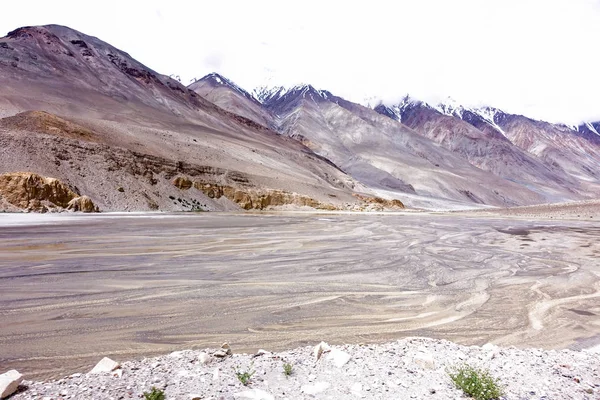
(227, 95)
(575, 152)
(385, 154)
(488, 149)
(145, 129)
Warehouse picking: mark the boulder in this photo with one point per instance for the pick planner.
(105, 365)
(338, 358)
(83, 204)
(9, 382)
(204, 358)
(224, 351)
(320, 349)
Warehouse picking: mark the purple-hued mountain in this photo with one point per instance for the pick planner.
(382, 147)
(78, 109)
(75, 108)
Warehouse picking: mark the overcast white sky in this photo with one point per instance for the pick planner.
(535, 57)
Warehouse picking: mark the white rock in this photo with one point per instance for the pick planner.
(356, 389)
(339, 358)
(105, 365)
(9, 382)
(220, 353)
(424, 360)
(177, 354)
(317, 388)
(118, 373)
(320, 349)
(261, 352)
(204, 358)
(216, 374)
(254, 394)
(489, 347)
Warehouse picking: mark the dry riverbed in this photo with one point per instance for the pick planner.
(76, 288)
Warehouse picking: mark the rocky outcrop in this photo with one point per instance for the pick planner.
(31, 192)
(393, 204)
(253, 198)
(50, 124)
(83, 204)
(183, 183)
(250, 198)
(260, 199)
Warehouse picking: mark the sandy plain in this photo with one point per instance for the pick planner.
(76, 288)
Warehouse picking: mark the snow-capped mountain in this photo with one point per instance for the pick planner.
(231, 97)
(378, 146)
(556, 145)
(216, 79)
(277, 98)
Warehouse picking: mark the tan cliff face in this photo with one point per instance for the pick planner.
(253, 198)
(31, 192)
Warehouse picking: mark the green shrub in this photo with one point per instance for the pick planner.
(244, 376)
(288, 369)
(155, 394)
(476, 383)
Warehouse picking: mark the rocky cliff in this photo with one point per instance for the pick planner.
(27, 191)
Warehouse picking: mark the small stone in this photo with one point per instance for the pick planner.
(254, 394)
(261, 352)
(424, 360)
(204, 358)
(220, 353)
(356, 389)
(105, 365)
(339, 358)
(320, 349)
(9, 382)
(489, 347)
(177, 354)
(317, 388)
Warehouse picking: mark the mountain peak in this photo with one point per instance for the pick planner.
(450, 107)
(275, 96)
(215, 79)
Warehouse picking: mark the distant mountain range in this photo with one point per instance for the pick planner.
(546, 162)
(165, 146)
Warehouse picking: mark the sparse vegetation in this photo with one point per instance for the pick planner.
(154, 394)
(244, 376)
(475, 382)
(288, 369)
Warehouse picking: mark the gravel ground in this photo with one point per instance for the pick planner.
(412, 368)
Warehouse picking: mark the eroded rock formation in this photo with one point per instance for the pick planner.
(31, 192)
(260, 199)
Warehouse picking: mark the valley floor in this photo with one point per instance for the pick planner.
(74, 288)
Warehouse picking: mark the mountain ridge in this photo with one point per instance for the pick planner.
(295, 140)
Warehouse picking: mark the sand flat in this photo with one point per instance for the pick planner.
(75, 289)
